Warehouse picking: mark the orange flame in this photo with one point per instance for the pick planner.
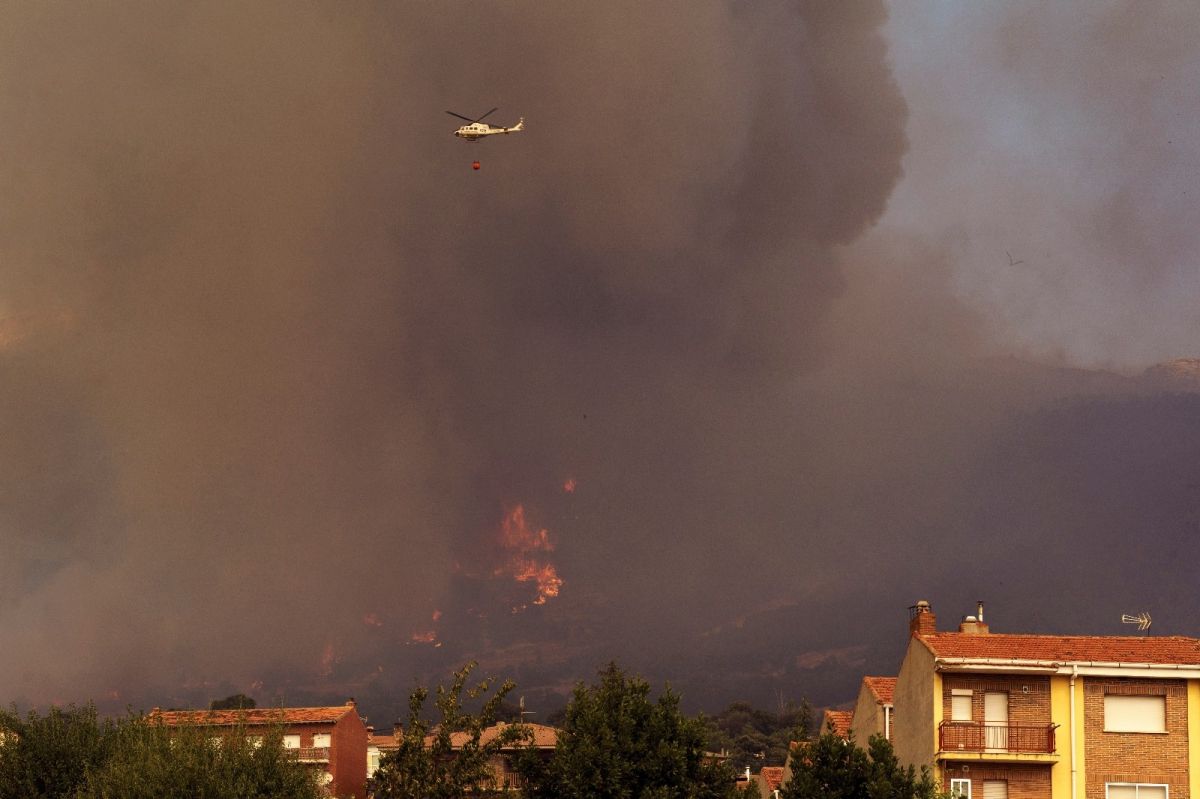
(524, 565)
(569, 485)
(427, 636)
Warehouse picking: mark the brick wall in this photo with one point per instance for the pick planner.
(1028, 696)
(1131, 756)
(348, 759)
(1024, 781)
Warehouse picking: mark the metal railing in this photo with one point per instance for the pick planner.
(310, 754)
(970, 736)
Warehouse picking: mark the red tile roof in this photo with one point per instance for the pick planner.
(253, 717)
(772, 776)
(543, 736)
(385, 742)
(881, 687)
(841, 720)
(1162, 650)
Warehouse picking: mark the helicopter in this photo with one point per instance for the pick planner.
(474, 130)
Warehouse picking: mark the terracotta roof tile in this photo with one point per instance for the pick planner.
(841, 720)
(383, 741)
(543, 736)
(252, 717)
(772, 775)
(881, 687)
(1174, 650)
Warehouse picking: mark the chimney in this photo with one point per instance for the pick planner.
(351, 703)
(397, 729)
(921, 620)
(973, 625)
(970, 625)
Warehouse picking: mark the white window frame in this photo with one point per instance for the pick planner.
(1138, 785)
(322, 740)
(957, 695)
(288, 741)
(1108, 728)
(956, 788)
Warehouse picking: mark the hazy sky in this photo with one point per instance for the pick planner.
(777, 317)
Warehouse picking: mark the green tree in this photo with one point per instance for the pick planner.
(47, 756)
(756, 738)
(616, 743)
(233, 702)
(832, 767)
(450, 759)
(71, 752)
(149, 761)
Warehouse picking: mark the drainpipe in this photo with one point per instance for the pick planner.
(887, 722)
(1074, 769)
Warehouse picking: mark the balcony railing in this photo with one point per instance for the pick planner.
(966, 736)
(310, 754)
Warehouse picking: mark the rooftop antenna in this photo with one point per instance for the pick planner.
(524, 712)
(1142, 620)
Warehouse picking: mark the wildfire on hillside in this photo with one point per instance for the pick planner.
(526, 550)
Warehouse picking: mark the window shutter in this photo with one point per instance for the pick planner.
(995, 789)
(1135, 713)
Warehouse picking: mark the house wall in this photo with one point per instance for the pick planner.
(348, 757)
(1028, 696)
(1160, 758)
(1024, 781)
(1060, 714)
(917, 715)
(868, 716)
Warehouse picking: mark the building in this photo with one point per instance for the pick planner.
(503, 776)
(873, 710)
(1000, 716)
(768, 781)
(837, 721)
(332, 741)
(380, 744)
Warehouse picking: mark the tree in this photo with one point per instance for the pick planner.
(233, 702)
(451, 759)
(46, 757)
(71, 752)
(832, 767)
(149, 761)
(618, 744)
(757, 738)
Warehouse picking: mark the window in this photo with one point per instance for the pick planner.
(960, 789)
(995, 789)
(1130, 790)
(256, 741)
(321, 740)
(1135, 713)
(291, 742)
(960, 705)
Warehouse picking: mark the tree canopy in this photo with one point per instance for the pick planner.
(233, 702)
(757, 738)
(428, 764)
(618, 743)
(71, 752)
(832, 767)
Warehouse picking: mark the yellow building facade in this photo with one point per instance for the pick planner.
(1000, 716)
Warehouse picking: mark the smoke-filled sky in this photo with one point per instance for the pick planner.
(776, 318)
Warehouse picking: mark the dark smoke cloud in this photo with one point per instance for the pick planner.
(276, 361)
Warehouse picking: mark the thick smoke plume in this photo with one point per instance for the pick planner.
(277, 366)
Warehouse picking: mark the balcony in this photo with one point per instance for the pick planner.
(310, 754)
(1004, 741)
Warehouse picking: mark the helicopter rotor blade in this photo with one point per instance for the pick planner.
(497, 108)
(460, 116)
